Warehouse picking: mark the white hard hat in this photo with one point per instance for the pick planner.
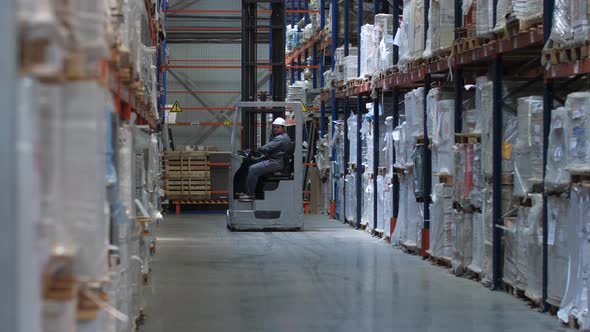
(278, 122)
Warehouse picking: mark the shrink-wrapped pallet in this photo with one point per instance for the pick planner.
(350, 69)
(478, 181)
(352, 137)
(410, 36)
(367, 192)
(557, 178)
(459, 154)
(528, 152)
(387, 205)
(461, 232)
(388, 145)
(570, 23)
(400, 232)
(533, 237)
(484, 18)
(418, 174)
(578, 132)
(488, 226)
(441, 27)
(558, 248)
(350, 196)
(414, 111)
(413, 217)
(383, 42)
(368, 49)
(84, 205)
(418, 26)
(441, 241)
(575, 299)
(477, 240)
(523, 10)
(398, 143)
(444, 135)
(380, 203)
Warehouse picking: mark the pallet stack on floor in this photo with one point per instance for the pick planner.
(196, 177)
(87, 121)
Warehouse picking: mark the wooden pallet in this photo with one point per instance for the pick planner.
(467, 44)
(470, 274)
(187, 174)
(446, 179)
(467, 138)
(200, 202)
(563, 54)
(377, 234)
(410, 249)
(440, 261)
(580, 180)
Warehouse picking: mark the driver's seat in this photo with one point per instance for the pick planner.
(288, 167)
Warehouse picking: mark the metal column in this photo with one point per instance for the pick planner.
(427, 156)
(548, 6)
(458, 72)
(359, 122)
(497, 174)
(394, 177)
(322, 69)
(359, 160)
(12, 304)
(376, 150)
(249, 54)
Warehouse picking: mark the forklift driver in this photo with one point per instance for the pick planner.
(273, 154)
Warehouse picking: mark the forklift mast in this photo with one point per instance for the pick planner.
(250, 63)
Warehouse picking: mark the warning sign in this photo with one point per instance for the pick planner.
(176, 108)
(303, 107)
(226, 122)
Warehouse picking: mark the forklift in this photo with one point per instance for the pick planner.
(278, 201)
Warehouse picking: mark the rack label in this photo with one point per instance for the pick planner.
(176, 108)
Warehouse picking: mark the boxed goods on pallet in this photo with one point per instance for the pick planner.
(407, 231)
(525, 11)
(441, 27)
(558, 248)
(578, 132)
(484, 17)
(443, 135)
(441, 222)
(368, 61)
(557, 178)
(477, 243)
(528, 161)
(461, 236)
(410, 36)
(570, 23)
(188, 175)
(383, 42)
(522, 249)
(367, 191)
(575, 298)
(414, 111)
(350, 68)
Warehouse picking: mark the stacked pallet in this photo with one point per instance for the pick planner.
(187, 175)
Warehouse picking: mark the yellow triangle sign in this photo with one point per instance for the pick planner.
(226, 122)
(176, 108)
(303, 107)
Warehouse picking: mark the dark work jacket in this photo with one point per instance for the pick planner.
(276, 148)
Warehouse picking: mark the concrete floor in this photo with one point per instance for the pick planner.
(327, 278)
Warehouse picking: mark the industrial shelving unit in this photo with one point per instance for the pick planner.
(497, 55)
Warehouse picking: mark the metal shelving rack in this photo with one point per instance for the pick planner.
(494, 55)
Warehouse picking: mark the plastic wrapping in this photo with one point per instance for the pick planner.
(380, 201)
(368, 199)
(486, 91)
(441, 26)
(368, 157)
(414, 111)
(459, 178)
(578, 132)
(484, 17)
(558, 248)
(443, 136)
(523, 10)
(400, 232)
(368, 48)
(411, 34)
(477, 240)
(388, 145)
(575, 299)
(441, 241)
(570, 23)
(533, 238)
(461, 233)
(528, 159)
(478, 181)
(84, 205)
(350, 69)
(383, 41)
(387, 205)
(557, 178)
(352, 137)
(488, 226)
(418, 174)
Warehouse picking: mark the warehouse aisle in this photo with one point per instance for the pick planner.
(327, 278)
